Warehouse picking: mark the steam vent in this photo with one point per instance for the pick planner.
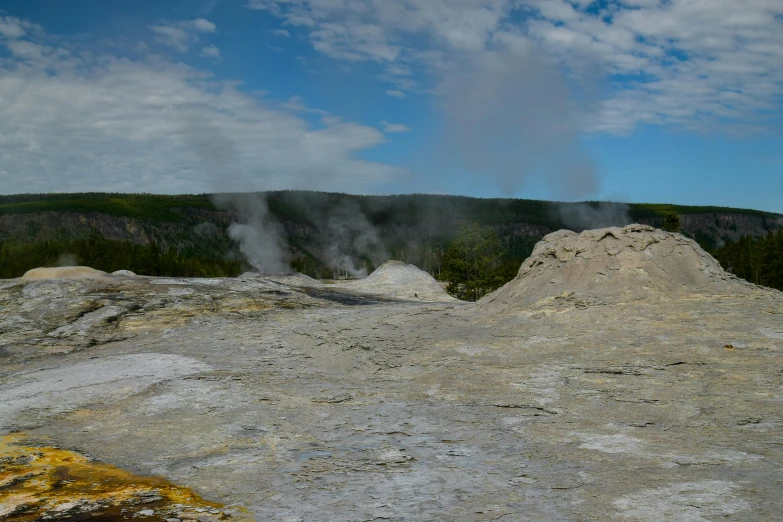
(614, 265)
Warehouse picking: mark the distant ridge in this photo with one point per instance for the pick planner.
(413, 228)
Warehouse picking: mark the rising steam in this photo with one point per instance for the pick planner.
(348, 234)
(67, 259)
(510, 116)
(260, 239)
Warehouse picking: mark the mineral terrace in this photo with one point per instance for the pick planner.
(621, 376)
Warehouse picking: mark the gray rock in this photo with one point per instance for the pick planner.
(614, 403)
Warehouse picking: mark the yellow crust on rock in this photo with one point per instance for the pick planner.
(49, 483)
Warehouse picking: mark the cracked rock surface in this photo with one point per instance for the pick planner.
(310, 402)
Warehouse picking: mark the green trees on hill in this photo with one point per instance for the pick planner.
(672, 223)
(758, 260)
(108, 255)
(415, 228)
(475, 264)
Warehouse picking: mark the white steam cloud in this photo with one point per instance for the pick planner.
(260, 240)
(510, 116)
(589, 215)
(348, 234)
(67, 259)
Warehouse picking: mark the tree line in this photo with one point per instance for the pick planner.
(758, 260)
(474, 263)
(109, 256)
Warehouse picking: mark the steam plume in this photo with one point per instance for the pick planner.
(67, 259)
(260, 240)
(510, 116)
(346, 232)
(349, 231)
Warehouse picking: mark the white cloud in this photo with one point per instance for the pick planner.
(394, 127)
(182, 35)
(211, 52)
(656, 55)
(204, 26)
(11, 27)
(262, 5)
(281, 32)
(506, 113)
(175, 37)
(74, 122)
(297, 104)
(692, 65)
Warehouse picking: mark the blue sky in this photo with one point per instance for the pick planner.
(639, 100)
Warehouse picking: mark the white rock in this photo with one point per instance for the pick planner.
(399, 280)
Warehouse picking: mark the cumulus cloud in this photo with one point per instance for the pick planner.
(211, 52)
(204, 26)
(690, 65)
(507, 114)
(394, 127)
(175, 37)
(11, 27)
(80, 122)
(520, 82)
(182, 35)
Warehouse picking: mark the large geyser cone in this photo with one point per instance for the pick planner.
(612, 265)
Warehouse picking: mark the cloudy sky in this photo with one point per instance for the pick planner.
(635, 100)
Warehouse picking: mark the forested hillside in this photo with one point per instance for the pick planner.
(759, 260)
(324, 234)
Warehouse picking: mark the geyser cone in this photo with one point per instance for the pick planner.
(612, 265)
(65, 272)
(402, 281)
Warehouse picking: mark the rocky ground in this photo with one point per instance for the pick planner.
(277, 399)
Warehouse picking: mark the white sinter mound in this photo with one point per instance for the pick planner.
(295, 279)
(402, 281)
(612, 265)
(65, 272)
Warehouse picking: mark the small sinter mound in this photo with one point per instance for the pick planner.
(124, 273)
(399, 280)
(295, 279)
(612, 265)
(65, 272)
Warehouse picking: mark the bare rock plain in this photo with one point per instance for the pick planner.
(621, 376)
